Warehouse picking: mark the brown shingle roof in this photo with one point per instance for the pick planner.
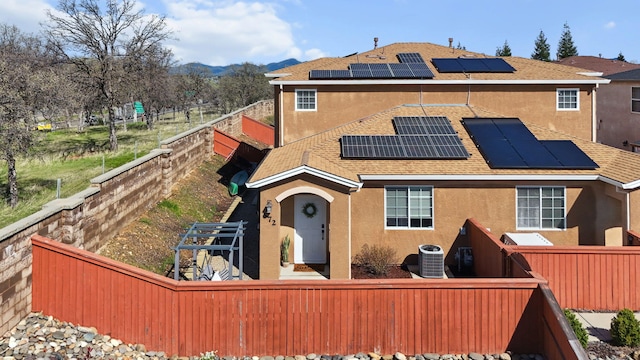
(526, 69)
(322, 151)
(593, 63)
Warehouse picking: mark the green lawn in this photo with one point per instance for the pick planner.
(75, 158)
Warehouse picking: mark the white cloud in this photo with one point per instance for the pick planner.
(312, 54)
(610, 25)
(224, 32)
(26, 15)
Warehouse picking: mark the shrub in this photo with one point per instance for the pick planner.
(170, 205)
(577, 327)
(625, 329)
(376, 258)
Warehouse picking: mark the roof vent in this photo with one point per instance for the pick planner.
(450, 42)
(375, 42)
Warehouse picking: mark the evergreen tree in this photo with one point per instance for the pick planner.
(566, 48)
(620, 57)
(542, 50)
(504, 51)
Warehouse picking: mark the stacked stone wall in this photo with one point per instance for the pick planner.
(90, 218)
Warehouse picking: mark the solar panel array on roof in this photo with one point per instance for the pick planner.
(508, 144)
(408, 58)
(419, 137)
(411, 66)
(472, 65)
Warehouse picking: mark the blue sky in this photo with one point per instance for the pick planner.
(226, 31)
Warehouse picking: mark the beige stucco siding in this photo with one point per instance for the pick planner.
(590, 214)
(594, 216)
(338, 105)
(616, 122)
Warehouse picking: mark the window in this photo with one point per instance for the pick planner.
(305, 100)
(540, 207)
(409, 207)
(635, 99)
(568, 99)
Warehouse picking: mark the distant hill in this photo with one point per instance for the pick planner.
(222, 70)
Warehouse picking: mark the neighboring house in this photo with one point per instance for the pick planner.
(345, 172)
(618, 103)
(318, 95)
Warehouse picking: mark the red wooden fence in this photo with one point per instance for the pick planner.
(224, 144)
(488, 255)
(257, 130)
(589, 277)
(286, 317)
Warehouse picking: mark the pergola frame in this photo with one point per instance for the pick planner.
(218, 233)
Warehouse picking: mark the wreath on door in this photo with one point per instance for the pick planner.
(309, 210)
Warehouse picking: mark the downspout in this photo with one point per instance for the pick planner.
(349, 230)
(281, 117)
(628, 218)
(594, 118)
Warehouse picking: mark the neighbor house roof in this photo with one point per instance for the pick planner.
(629, 75)
(527, 70)
(594, 63)
(321, 154)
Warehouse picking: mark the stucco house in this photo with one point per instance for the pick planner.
(405, 161)
(618, 102)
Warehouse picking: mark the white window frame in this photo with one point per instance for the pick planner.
(300, 93)
(635, 99)
(558, 97)
(418, 197)
(540, 211)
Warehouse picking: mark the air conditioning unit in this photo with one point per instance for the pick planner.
(431, 261)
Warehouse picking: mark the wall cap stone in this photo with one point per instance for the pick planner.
(128, 166)
(49, 209)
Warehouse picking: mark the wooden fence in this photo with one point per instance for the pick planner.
(258, 130)
(290, 317)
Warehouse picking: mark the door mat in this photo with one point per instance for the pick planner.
(308, 267)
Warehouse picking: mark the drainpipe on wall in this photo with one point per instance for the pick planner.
(594, 130)
(628, 218)
(280, 120)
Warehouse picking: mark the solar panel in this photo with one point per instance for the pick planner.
(421, 71)
(340, 74)
(386, 146)
(448, 146)
(408, 58)
(472, 65)
(569, 155)
(360, 70)
(498, 65)
(425, 125)
(356, 146)
(401, 70)
(320, 74)
(508, 144)
(380, 70)
(447, 65)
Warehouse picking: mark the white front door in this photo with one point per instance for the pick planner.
(310, 217)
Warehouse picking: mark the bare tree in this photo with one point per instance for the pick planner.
(245, 85)
(28, 84)
(97, 39)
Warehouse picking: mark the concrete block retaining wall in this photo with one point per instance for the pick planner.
(88, 219)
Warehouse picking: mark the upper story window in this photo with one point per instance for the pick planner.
(635, 99)
(568, 99)
(540, 207)
(409, 207)
(306, 100)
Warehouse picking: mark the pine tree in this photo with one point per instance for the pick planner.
(504, 51)
(620, 57)
(566, 48)
(542, 50)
